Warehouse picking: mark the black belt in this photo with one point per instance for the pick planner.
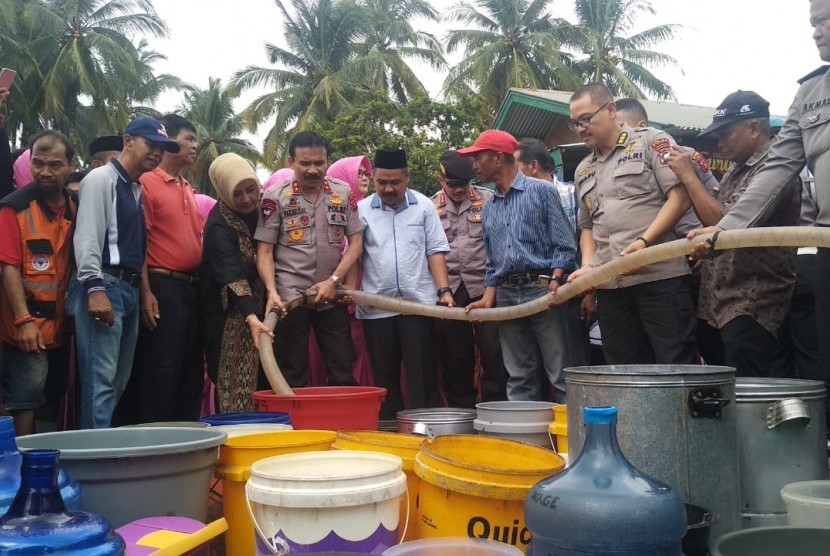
(174, 274)
(523, 278)
(132, 278)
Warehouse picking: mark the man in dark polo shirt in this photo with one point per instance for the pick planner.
(166, 383)
(110, 245)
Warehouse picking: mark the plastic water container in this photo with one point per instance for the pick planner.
(131, 473)
(601, 505)
(247, 418)
(10, 459)
(454, 546)
(524, 421)
(342, 500)
(327, 407)
(39, 523)
(774, 541)
(808, 503)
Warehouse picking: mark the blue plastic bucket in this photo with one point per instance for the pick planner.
(247, 418)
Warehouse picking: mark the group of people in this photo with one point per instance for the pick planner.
(156, 285)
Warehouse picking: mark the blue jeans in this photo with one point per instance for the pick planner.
(105, 353)
(533, 344)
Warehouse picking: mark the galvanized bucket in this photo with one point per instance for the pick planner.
(676, 424)
(436, 421)
(781, 439)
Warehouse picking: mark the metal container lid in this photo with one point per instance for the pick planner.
(650, 376)
(773, 389)
(437, 415)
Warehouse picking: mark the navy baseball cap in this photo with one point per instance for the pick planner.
(153, 131)
(738, 106)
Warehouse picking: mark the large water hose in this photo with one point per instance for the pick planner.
(790, 236)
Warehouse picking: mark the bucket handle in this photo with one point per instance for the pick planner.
(552, 443)
(790, 409)
(422, 429)
(280, 546)
(276, 545)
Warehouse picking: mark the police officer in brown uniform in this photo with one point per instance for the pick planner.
(302, 224)
(629, 199)
(460, 206)
(804, 139)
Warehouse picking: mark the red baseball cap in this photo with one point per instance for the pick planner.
(492, 140)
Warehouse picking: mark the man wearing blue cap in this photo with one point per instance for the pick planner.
(110, 245)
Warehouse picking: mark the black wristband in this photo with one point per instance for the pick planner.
(442, 291)
(644, 240)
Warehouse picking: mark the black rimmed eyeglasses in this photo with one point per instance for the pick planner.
(573, 125)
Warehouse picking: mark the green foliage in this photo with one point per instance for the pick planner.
(78, 69)
(507, 43)
(422, 127)
(217, 129)
(607, 51)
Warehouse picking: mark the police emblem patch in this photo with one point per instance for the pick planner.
(40, 262)
(267, 208)
(296, 235)
(662, 146)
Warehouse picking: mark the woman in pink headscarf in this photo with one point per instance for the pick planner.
(355, 171)
(280, 175)
(23, 169)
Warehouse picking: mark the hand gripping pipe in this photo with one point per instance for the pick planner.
(790, 236)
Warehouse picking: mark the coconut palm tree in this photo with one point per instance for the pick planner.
(507, 43)
(93, 56)
(613, 55)
(218, 129)
(388, 40)
(314, 83)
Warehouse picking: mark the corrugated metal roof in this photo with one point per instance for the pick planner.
(665, 114)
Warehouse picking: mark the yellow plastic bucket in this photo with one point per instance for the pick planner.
(405, 446)
(559, 428)
(475, 486)
(235, 459)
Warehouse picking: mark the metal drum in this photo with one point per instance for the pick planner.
(676, 424)
(437, 421)
(781, 439)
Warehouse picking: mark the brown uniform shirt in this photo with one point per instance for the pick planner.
(307, 237)
(620, 195)
(463, 227)
(756, 282)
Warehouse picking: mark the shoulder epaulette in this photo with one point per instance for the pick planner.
(815, 73)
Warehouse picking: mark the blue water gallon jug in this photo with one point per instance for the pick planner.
(601, 505)
(39, 523)
(10, 459)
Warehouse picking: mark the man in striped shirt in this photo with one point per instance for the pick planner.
(530, 247)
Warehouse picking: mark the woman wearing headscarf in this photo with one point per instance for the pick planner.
(355, 171)
(233, 294)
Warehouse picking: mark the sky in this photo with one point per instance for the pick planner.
(725, 45)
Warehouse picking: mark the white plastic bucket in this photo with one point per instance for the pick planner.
(454, 546)
(339, 501)
(251, 428)
(808, 503)
(524, 421)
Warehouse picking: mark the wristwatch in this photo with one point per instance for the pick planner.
(442, 291)
(561, 280)
(337, 280)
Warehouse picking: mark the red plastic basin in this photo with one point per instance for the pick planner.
(327, 407)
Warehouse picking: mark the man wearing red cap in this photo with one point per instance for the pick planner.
(530, 247)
